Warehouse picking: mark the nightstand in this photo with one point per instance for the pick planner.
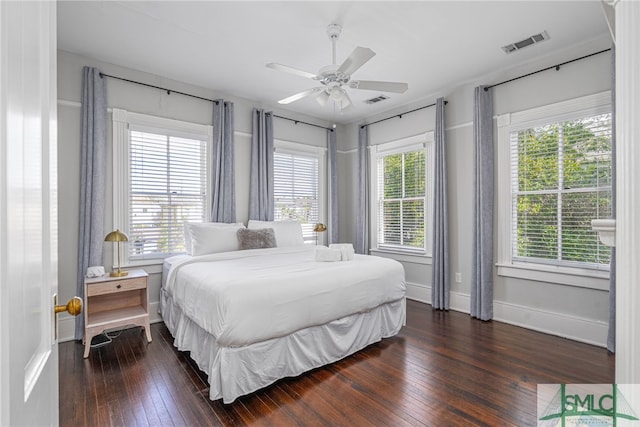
(110, 302)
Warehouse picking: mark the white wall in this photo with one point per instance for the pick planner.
(570, 311)
(154, 102)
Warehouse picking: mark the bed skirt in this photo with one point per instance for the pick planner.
(236, 371)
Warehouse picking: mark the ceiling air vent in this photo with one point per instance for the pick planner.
(376, 99)
(536, 38)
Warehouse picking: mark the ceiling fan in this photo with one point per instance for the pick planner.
(333, 77)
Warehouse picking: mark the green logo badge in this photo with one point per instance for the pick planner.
(583, 405)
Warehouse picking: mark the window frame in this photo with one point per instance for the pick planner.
(320, 153)
(577, 108)
(122, 121)
(425, 141)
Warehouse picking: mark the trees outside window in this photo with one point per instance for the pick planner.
(298, 175)
(560, 181)
(401, 200)
(554, 176)
(401, 192)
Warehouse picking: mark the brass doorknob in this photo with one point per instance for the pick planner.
(74, 307)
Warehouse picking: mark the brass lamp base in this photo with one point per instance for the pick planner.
(118, 273)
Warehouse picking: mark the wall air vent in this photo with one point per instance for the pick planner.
(376, 99)
(536, 38)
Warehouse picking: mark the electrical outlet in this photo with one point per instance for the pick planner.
(458, 277)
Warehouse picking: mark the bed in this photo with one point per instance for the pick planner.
(251, 317)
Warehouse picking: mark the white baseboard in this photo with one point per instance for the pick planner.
(422, 293)
(67, 323)
(419, 292)
(66, 327)
(563, 325)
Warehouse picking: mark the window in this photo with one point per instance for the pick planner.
(298, 172)
(559, 171)
(402, 172)
(160, 172)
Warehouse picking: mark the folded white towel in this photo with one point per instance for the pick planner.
(325, 254)
(346, 250)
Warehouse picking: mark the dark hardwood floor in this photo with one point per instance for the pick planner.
(444, 368)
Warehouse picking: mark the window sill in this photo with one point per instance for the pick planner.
(415, 258)
(141, 262)
(582, 278)
(151, 266)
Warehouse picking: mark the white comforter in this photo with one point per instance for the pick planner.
(245, 297)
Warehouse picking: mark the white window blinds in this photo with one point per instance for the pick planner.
(560, 181)
(296, 189)
(167, 186)
(401, 184)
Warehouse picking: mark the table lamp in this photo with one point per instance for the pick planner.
(118, 237)
(319, 228)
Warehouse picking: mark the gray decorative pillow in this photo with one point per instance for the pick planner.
(256, 239)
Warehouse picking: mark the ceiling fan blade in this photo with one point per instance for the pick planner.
(346, 101)
(300, 95)
(380, 86)
(357, 59)
(322, 98)
(292, 70)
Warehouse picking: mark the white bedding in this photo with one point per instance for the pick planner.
(167, 263)
(246, 297)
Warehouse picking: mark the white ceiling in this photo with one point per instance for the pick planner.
(432, 45)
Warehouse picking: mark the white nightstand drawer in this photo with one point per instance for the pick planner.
(116, 286)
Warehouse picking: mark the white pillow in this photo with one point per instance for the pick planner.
(288, 233)
(211, 237)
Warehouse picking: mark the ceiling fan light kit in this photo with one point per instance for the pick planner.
(333, 77)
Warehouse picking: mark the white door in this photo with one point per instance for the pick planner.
(28, 214)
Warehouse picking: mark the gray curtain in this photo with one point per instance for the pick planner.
(223, 203)
(440, 254)
(93, 174)
(261, 175)
(611, 336)
(482, 264)
(362, 202)
(332, 150)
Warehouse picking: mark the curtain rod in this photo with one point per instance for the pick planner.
(300, 121)
(217, 101)
(169, 91)
(557, 67)
(400, 115)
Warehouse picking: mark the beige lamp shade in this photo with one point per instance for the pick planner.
(118, 237)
